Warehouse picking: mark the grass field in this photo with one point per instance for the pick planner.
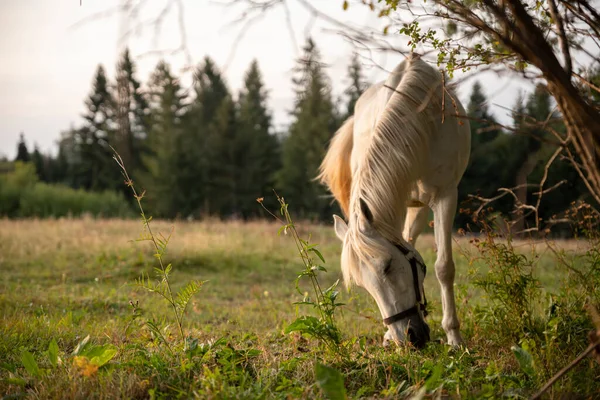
(63, 280)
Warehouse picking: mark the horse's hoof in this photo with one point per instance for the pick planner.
(455, 339)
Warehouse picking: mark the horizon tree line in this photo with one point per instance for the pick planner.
(212, 153)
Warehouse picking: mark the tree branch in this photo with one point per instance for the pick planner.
(564, 44)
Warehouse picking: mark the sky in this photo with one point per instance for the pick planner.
(50, 50)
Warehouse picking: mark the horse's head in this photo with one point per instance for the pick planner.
(392, 273)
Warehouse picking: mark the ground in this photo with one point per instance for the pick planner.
(63, 280)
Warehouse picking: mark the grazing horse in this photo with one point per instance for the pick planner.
(404, 151)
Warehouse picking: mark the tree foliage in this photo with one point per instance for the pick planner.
(22, 151)
(517, 160)
(130, 115)
(314, 122)
(166, 102)
(257, 147)
(357, 85)
(92, 163)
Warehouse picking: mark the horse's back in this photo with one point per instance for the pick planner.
(443, 161)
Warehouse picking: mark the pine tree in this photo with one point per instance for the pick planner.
(131, 115)
(195, 185)
(40, 165)
(477, 107)
(256, 148)
(488, 153)
(314, 123)
(528, 147)
(59, 167)
(223, 162)
(357, 85)
(482, 120)
(22, 151)
(166, 105)
(92, 164)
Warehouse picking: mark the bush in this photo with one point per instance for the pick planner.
(22, 195)
(543, 326)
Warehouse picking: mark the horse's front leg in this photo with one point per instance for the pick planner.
(444, 210)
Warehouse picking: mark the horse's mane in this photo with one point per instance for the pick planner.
(393, 159)
(335, 168)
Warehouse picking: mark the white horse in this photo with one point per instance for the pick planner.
(404, 151)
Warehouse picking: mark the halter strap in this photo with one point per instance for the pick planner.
(421, 301)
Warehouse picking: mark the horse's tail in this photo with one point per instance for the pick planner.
(335, 169)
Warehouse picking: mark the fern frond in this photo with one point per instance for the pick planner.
(148, 285)
(185, 294)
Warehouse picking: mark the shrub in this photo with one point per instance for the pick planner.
(22, 195)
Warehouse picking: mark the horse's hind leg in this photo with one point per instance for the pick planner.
(444, 209)
(416, 219)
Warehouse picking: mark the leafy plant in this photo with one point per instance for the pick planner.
(89, 357)
(508, 282)
(324, 302)
(31, 366)
(178, 301)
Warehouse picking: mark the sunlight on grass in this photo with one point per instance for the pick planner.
(68, 278)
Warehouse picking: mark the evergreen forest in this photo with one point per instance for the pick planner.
(208, 152)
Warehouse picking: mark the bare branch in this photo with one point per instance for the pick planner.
(561, 35)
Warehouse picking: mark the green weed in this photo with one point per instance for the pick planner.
(324, 302)
(178, 301)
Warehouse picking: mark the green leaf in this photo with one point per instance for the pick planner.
(185, 294)
(318, 253)
(15, 380)
(282, 229)
(53, 353)
(100, 355)
(250, 353)
(157, 333)
(303, 324)
(191, 344)
(331, 381)
(30, 364)
(525, 360)
(333, 286)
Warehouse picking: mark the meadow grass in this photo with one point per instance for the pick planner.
(66, 279)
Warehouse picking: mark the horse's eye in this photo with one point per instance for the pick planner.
(388, 268)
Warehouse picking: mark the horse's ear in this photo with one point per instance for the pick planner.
(340, 227)
(366, 212)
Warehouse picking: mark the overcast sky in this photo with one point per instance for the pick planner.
(48, 57)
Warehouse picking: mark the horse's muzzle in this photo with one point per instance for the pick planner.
(418, 331)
